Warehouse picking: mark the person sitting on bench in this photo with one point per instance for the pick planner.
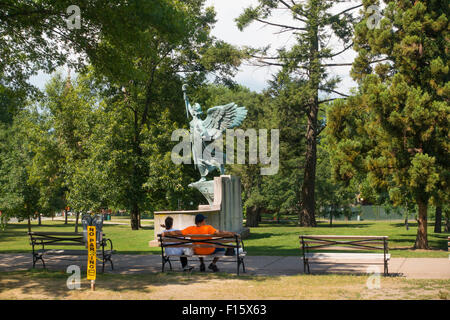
(168, 223)
(202, 228)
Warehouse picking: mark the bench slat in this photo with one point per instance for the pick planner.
(61, 244)
(346, 242)
(341, 237)
(167, 240)
(205, 236)
(69, 252)
(331, 248)
(242, 254)
(37, 233)
(347, 256)
(198, 246)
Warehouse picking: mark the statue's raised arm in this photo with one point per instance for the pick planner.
(186, 100)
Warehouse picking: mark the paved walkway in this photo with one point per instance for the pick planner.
(414, 268)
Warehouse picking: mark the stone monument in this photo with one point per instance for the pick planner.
(223, 194)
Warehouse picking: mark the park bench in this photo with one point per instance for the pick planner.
(230, 243)
(311, 243)
(72, 239)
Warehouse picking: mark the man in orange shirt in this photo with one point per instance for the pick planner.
(202, 228)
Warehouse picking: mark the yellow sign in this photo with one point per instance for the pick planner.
(92, 254)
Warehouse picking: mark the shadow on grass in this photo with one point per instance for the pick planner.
(319, 225)
(53, 284)
(344, 225)
(256, 236)
(147, 228)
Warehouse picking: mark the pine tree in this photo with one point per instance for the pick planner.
(315, 23)
(395, 129)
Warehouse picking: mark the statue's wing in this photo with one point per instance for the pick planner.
(225, 117)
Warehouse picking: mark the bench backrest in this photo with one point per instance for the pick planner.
(345, 243)
(59, 238)
(200, 241)
(56, 238)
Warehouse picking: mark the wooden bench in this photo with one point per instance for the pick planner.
(62, 239)
(206, 241)
(311, 243)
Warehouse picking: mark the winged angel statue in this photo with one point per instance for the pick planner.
(203, 133)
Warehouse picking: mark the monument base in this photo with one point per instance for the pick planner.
(224, 212)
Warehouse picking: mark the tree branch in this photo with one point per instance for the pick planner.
(320, 130)
(334, 91)
(336, 65)
(349, 64)
(328, 100)
(346, 10)
(279, 25)
(340, 52)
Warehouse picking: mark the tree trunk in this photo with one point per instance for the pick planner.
(77, 216)
(422, 237)
(447, 221)
(252, 213)
(331, 219)
(29, 224)
(134, 217)
(307, 213)
(65, 214)
(438, 220)
(39, 219)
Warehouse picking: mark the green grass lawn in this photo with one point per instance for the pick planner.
(270, 239)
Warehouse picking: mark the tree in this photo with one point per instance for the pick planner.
(395, 129)
(333, 197)
(143, 90)
(36, 35)
(60, 143)
(18, 195)
(313, 25)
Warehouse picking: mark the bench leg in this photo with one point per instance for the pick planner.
(306, 266)
(240, 261)
(164, 261)
(386, 270)
(37, 257)
(238, 265)
(107, 257)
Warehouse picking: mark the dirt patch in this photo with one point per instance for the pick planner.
(53, 286)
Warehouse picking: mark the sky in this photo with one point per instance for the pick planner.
(256, 35)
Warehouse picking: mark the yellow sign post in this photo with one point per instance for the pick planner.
(92, 256)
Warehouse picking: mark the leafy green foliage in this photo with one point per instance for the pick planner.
(394, 132)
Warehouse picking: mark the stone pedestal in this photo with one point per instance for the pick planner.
(224, 211)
